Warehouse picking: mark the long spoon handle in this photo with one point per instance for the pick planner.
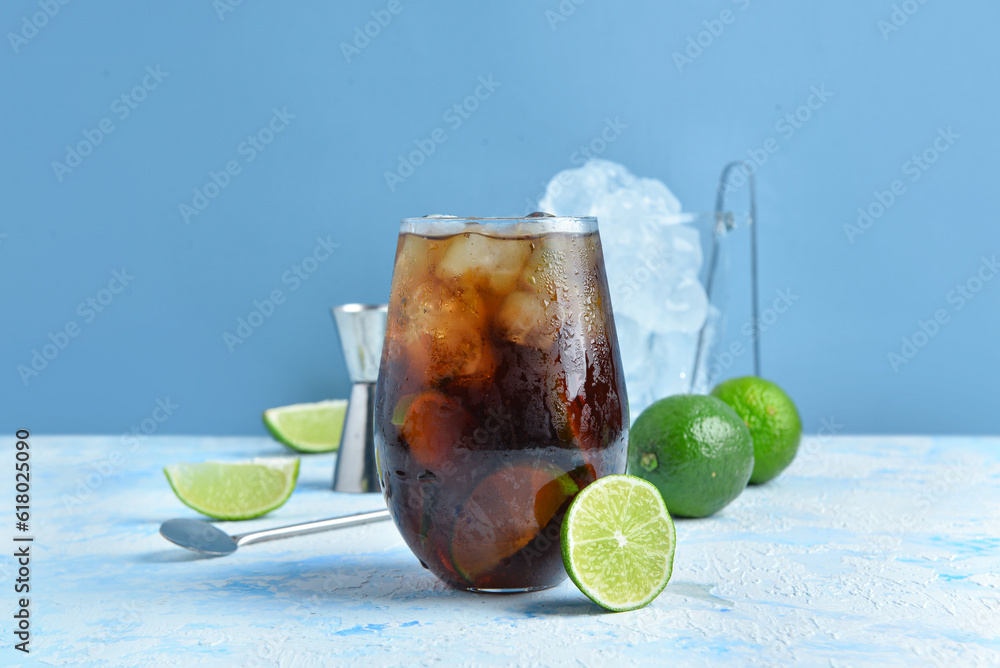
(311, 527)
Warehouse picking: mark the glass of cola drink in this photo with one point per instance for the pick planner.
(500, 393)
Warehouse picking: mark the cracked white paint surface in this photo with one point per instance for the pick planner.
(866, 551)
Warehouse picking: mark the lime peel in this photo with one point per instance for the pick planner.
(618, 542)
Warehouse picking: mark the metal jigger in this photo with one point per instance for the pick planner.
(362, 329)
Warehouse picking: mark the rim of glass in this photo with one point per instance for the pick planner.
(359, 308)
(518, 226)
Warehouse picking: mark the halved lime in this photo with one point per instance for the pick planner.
(308, 427)
(234, 490)
(618, 542)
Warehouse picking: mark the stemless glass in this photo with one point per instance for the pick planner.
(500, 393)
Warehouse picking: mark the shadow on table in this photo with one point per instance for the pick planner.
(568, 603)
(174, 555)
(389, 580)
(702, 592)
(571, 602)
(378, 579)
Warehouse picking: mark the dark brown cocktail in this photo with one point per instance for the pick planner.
(500, 393)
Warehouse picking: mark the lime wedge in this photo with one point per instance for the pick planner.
(308, 427)
(234, 490)
(618, 542)
(504, 513)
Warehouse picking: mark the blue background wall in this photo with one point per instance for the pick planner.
(161, 338)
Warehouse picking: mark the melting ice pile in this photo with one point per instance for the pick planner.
(653, 261)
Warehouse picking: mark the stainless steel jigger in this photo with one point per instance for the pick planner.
(362, 329)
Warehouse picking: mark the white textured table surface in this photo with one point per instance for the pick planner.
(866, 551)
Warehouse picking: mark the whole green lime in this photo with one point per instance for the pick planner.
(695, 449)
(773, 421)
